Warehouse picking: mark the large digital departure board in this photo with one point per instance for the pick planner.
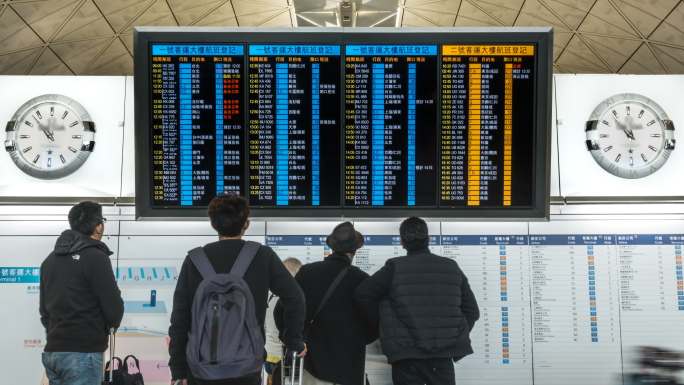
(294, 117)
(196, 122)
(391, 94)
(477, 159)
(338, 122)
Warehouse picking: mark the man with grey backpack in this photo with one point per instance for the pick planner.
(220, 302)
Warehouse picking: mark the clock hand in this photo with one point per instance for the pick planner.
(632, 124)
(45, 128)
(47, 132)
(624, 129)
(630, 134)
(40, 125)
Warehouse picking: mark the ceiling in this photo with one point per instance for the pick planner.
(95, 37)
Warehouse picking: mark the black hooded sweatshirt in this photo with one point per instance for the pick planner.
(79, 298)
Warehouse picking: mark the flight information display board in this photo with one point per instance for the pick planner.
(478, 160)
(196, 122)
(361, 123)
(390, 98)
(294, 117)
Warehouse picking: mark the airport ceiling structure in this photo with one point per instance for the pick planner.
(95, 37)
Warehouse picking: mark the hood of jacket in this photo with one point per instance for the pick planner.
(72, 242)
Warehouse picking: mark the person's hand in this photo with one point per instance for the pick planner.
(289, 353)
(183, 381)
(302, 354)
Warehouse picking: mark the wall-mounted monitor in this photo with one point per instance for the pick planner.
(361, 123)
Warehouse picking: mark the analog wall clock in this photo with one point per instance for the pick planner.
(50, 136)
(630, 135)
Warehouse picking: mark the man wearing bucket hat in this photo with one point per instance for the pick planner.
(336, 331)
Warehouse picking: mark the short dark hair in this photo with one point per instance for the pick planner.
(414, 234)
(85, 216)
(228, 214)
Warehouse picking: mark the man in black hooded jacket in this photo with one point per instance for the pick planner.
(426, 310)
(79, 300)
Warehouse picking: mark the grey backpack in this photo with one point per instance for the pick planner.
(225, 340)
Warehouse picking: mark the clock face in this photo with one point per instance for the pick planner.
(50, 136)
(630, 136)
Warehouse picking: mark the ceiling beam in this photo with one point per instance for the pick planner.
(273, 17)
(173, 14)
(384, 19)
(293, 14)
(53, 36)
(476, 5)
(210, 11)
(44, 44)
(299, 15)
(111, 27)
(638, 32)
(519, 12)
(400, 13)
(662, 20)
(577, 33)
(458, 10)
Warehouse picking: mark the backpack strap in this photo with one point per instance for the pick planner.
(245, 258)
(201, 261)
(329, 292)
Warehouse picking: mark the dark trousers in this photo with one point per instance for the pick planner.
(434, 371)
(254, 379)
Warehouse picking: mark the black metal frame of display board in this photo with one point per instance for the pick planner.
(541, 37)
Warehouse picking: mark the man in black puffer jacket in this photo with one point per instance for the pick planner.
(425, 308)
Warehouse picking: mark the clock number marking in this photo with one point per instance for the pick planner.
(49, 162)
(641, 113)
(26, 122)
(52, 111)
(607, 148)
(64, 114)
(72, 149)
(76, 136)
(61, 157)
(652, 122)
(652, 148)
(27, 149)
(655, 135)
(627, 110)
(603, 135)
(615, 113)
(39, 115)
(631, 161)
(24, 136)
(643, 156)
(74, 123)
(617, 158)
(605, 122)
(35, 160)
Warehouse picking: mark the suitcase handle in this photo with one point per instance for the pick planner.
(294, 368)
(112, 348)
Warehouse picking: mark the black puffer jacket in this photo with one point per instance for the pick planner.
(426, 307)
